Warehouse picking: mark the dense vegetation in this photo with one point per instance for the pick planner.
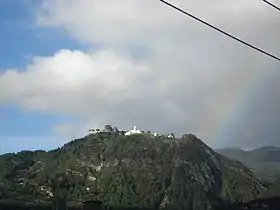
(138, 170)
(263, 161)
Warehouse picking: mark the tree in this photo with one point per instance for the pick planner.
(171, 135)
(2, 190)
(122, 132)
(109, 128)
(116, 131)
(60, 184)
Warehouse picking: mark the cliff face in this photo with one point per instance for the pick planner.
(139, 170)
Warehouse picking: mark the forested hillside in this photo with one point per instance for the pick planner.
(138, 170)
(263, 161)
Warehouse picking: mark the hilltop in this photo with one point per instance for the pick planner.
(143, 170)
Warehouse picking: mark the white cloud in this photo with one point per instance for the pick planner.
(186, 82)
(127, 21)
(71, 81)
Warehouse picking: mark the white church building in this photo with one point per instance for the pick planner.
(132, 132)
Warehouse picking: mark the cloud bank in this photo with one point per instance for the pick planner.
(158, 69)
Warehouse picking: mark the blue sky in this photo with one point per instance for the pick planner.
(19, 41)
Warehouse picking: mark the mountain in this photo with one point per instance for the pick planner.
(263, 161)
(138, 170)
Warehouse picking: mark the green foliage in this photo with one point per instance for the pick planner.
(264, 161)
(138, 170)
(273, 189)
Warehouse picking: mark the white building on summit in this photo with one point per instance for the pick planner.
(132, 132)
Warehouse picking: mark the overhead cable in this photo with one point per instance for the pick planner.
(220, 30)
(273, 5)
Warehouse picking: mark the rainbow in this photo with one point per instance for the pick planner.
(220, 118)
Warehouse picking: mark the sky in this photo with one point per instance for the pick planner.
(67, 66)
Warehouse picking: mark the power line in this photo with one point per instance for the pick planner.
(273, 5)
(220, 30)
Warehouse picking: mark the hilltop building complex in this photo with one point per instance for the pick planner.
(132, 132)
